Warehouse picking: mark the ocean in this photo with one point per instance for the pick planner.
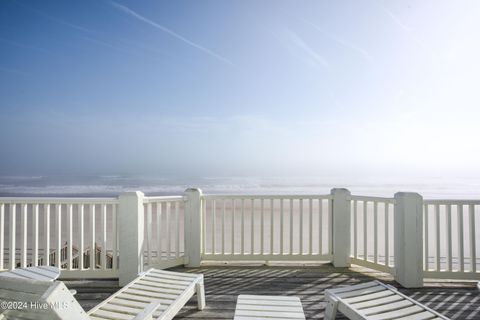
(113, 185)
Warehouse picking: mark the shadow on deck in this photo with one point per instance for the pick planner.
(457, 300)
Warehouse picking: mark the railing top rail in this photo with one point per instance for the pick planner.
(452, 201)
(52, 200)
(370, 198)
(163, 199)
(266, 197)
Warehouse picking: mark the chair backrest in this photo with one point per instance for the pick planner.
(34, 299)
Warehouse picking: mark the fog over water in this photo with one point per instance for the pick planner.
(112, 185)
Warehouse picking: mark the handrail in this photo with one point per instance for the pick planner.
(163, 199)
(264, 196)
(56, 200)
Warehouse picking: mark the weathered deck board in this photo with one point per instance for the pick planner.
(458, 300)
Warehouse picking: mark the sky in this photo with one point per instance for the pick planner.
(223, 88)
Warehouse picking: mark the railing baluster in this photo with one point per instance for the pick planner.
(375, 232)
(460, 237)
(177, 230)
(330, 226)
(2, 235)
(355, 226)
(242, 234)
(46, 235)
(223, 227)
(34, 236)
(426, 237)
(167, 225)
(365, 249)
(93, 249)
(214, 227)
(387, 240)
(23, 235)
(271, 227)
(70, 236)
(300, 234)
(149, 233)
(281, 226)
(320, 226)
(159, 232)
(114, 237)
(261, 226)
(310, 222)
(437, 237)
(233, 226)
(252, 225)
(12, 235)
(58, 223)
(81, 234)
(473, 258)
(291, 226)
(104, 237)
(449, 237)
(204, 210)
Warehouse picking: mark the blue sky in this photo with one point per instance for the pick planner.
(199, 88)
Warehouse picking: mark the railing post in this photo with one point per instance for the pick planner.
(341, 227)
(131, 236)
(193, 227)
(408, 242)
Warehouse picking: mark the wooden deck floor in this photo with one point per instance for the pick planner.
(457, 300)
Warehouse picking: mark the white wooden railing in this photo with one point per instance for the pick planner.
(60, 232)
(253, 227)
(372, 232)
(164, 231)
(451, 238)
(406, 236)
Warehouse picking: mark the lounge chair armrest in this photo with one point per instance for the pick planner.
(147, 313)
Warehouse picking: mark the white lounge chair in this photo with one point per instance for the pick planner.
(268, 307)
(376, 301)
(154, 294)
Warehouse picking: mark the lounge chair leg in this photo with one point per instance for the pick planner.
(331, 309)
(200, 295)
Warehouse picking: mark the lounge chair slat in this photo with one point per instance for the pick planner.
(267, 314)
(129, 303)
(139, 290)
(165, 284)
(165, 288)
(175, 275)
(369, 297)
(144, 294)
(265, 298)
(121, 309)
(386, 307)
(270, 308)
(168, 279)
(397, 313)
(113, 315)
(133, 297)
(377, 302)
(253, 318)
(361, 292)
(426, 315)
(270, 302)
(354, 287)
